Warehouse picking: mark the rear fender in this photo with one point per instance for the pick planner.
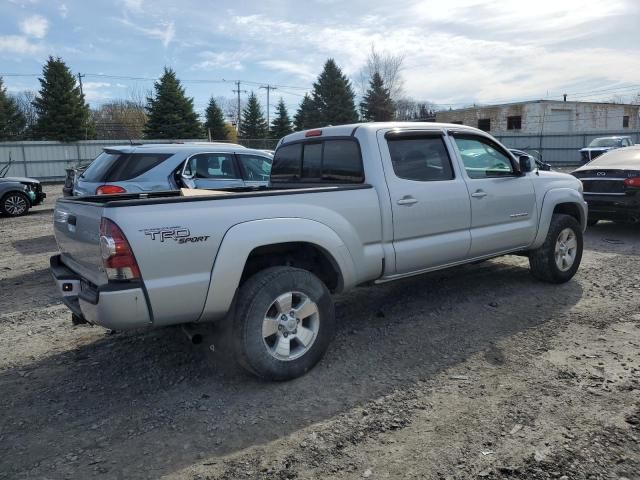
(242, 239)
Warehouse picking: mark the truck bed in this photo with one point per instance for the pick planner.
(177, 274)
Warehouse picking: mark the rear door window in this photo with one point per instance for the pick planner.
(421, 159)
(114, 167)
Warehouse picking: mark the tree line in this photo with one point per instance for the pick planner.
(59, 111)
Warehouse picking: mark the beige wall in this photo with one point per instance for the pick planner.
(557, 117)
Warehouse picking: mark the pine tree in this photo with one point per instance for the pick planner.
(333, 97)
(307, 114)
(62, 113)
(281, 125)
(12, 121)
(377, 106)
(170, 112)
(253, 123)
(215, 121)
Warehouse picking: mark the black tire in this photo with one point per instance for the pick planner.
(542, 261)
(592, 221)
(254, 300)
(15, 204)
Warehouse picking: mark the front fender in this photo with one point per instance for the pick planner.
(242, 239)
(552, 199)
(15, 187)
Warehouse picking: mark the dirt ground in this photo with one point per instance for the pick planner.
(476, 372)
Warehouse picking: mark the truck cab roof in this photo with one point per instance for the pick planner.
(350, 129)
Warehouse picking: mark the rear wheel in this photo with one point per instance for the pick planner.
(558, 259)
(284, 322)
(15, 204)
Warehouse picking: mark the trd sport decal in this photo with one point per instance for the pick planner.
(181, 235)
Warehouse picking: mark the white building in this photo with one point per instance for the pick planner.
(547, 116)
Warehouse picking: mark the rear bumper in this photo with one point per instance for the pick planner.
(115, 306)
(614, 207)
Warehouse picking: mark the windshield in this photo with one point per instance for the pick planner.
(606, 142)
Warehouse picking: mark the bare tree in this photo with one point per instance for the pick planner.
(412, 110)
(138, 96)
(389, 66)
(631, 99)
(229, 107)
(24, 100)
(120, 119)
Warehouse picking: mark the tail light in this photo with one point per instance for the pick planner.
(632, 182)
(109, 189)
(313, 133)
(117, 256)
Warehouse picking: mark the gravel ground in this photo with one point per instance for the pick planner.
(476, 372)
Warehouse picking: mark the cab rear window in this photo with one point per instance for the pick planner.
(119, 167)
(331, 160)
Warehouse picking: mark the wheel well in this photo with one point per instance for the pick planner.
(570, 209)
(306, 256)
(10, 192)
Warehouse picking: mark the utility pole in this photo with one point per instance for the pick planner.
(268, 88)
(238, 91)
(80, 77)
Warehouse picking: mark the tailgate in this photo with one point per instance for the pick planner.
(77, 231)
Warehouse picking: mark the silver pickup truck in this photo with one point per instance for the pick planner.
(347, 205)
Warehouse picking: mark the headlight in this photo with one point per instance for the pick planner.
(580, 186)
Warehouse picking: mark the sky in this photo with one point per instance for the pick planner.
(456, 52)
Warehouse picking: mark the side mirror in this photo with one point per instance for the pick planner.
(525, 163)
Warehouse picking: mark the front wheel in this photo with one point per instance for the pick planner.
(15, 204)
(558, 259)
(284, 322)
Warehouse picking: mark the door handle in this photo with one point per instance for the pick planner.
(407, 200)
(479, 194)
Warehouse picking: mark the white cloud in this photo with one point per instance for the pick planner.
(300, 70)
(20, 45)
(165, 31)
(228, 60)
(96, 91)
(133, 5)
(471, 50)
(34, 26)
(64, 10)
